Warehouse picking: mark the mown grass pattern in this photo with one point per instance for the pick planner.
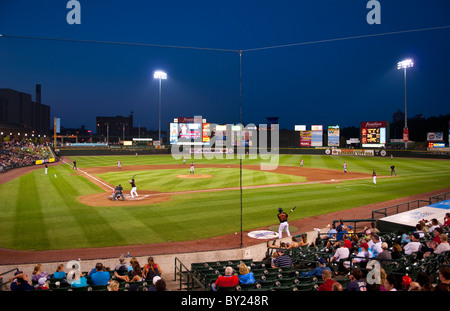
(41, 212)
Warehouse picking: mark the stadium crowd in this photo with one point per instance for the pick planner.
(337, 260)
(15, 154)
(129, 276)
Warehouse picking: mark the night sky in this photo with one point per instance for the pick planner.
(339, 82)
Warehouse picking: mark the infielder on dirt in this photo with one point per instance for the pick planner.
(284, 225)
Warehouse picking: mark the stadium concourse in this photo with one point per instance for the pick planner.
(223, 249)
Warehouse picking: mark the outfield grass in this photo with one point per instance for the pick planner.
(41, 212)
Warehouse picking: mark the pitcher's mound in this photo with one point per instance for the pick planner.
(194, 176)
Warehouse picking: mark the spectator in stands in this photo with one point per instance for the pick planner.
(159, 285)
(337, 287)
(245, 276)
(227, 280)
(81, 282)
(20, 283)
(327, 285)
(121, 274)
(113, 286)
(340, 233)
(397, 251)
(293, 244)
(42, 284)
(341, 254)
(151, 269)
(420, 229)
(357, 283)
(304, 240)
(446, 220)
(414, 287)
(120, 264)
(391, 283)
(318, 270)
(424, 281)
(59, 273)
(406, 282)
(434, 224)
(363, 255)
(444, 279)
(38, 273)
(375, 246)
(282, 260)
(443, 246)
(437, 234)
(100, 276)
(340, 226)
(385, 257)
(136, 275)
(332, 232)
(413, 246)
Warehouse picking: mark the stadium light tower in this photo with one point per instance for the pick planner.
(407, 63)
(160, 75)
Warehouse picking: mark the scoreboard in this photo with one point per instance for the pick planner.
(374, 134)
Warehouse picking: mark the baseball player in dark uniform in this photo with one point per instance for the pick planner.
(133, 188)
(284, 225)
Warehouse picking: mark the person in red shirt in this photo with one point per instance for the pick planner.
(227, 280)
(326, 286)
(446, 220)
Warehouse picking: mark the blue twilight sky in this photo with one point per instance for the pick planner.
(338, 82)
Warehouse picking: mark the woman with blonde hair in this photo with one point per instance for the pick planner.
(245, 276)
(113, 286)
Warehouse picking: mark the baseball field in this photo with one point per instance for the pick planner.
(70, 208)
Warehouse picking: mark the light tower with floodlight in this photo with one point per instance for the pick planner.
(408, 63)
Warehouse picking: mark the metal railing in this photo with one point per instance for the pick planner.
(185, 276)
(399, 208)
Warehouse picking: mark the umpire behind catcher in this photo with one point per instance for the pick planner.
(118, 192)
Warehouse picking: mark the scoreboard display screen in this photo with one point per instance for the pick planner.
(189, 134)
(373, 134)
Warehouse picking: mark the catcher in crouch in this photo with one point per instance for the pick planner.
(133, 188)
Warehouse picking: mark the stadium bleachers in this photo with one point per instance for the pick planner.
(305, 259)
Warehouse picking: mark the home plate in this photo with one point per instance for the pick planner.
(141, 197)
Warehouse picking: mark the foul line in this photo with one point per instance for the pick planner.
(90, 176)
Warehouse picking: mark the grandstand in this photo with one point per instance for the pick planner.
(198, 271)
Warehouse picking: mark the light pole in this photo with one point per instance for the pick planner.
(160, 75)
(407, 63)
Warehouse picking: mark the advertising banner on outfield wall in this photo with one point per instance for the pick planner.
(333, 136)
(305, 138)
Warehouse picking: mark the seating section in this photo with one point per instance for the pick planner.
(305, 259)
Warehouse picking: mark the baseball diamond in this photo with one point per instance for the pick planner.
(75, 210)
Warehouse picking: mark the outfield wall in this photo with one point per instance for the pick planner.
(92, 151)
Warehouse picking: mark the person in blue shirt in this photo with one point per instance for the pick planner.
(81, 282)
(317, 271)
(60, 273)
(245, 276)
(99, 276)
